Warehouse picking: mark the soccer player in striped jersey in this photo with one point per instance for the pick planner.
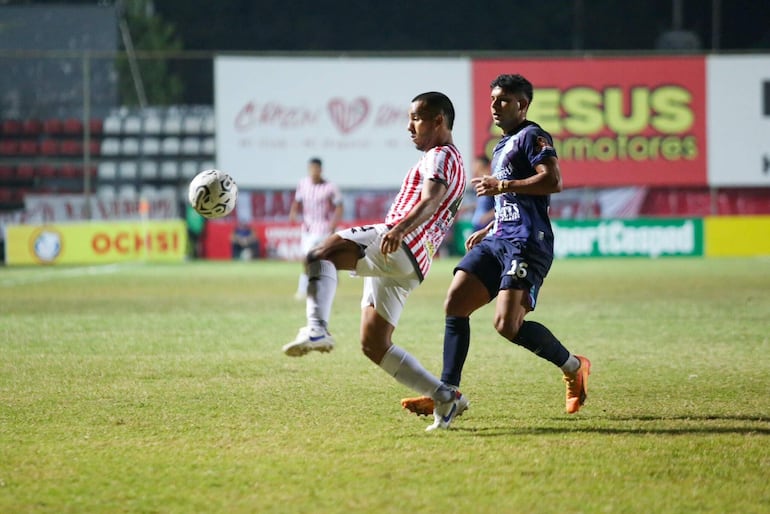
(394, 257)
(510, 257)
(320, 204)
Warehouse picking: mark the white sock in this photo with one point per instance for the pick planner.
(398, 363)
(302, 285)
(572, 364)
(321, 287)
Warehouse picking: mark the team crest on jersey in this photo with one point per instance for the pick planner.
(542, 144)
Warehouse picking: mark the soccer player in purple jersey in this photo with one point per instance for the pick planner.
(510, 257)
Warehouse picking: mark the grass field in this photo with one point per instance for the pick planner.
(162, 389)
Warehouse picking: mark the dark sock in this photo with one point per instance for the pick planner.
(539, 340)
(457, 339)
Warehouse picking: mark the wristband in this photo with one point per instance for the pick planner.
(500, 186)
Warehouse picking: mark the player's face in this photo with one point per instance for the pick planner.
(314, 170)
(508, 110)
(423, 126)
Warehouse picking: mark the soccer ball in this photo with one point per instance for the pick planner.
(213, 193)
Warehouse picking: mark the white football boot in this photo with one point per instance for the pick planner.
(309, 339)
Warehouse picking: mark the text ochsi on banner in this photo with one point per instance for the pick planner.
(615, 121)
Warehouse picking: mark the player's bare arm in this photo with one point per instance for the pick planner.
(430, 198)
(546, 181)
(477, 236)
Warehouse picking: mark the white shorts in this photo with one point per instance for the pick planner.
(388, 279)
(310, 240)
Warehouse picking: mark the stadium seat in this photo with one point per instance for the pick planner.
(169, 170)
(105, 192)
(7, 173)
(107, 170)
(72, 127)
(11, 127)
(152, 126)
(172, 124)
(208, 147)
(71, 147)
(208, 127)
(132, 126)
(31, 127)
(189, 169)
(28, 147)
(127, 192)
(192, 124)
(95, 147)
(171, 146)
(130, 146)
(128, 170)
(191, 146)
(25, 172)
(207, 165)
(150, 146)
(46, 171)
(112, 125)
(49, 147)
(53, 126)
(110, 146)
(95, 126)
(9, 147)
(148, 170)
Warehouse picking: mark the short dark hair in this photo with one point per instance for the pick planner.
(438, 103)
(315, 160)
(483, 158)
(515, 84)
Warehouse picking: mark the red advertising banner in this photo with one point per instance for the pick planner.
(615, 121)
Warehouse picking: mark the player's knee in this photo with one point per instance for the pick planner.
(507, 326)
(454, 304)
(373, 347)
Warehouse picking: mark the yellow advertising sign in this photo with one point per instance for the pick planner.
(96, 242)
(737, 236)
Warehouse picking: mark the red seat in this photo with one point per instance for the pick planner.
(53, 126)
(49, 147)
(46, 171)
(9, 147)
(7, 173)
(71, 147)
(28, 147)
(11, 127)
(70, 171)
(72, 127)
(31, 127)
(96, 126)
(25, 172)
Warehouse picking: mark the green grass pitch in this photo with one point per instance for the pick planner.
(162, 389)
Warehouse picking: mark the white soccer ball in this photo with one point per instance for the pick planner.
(213, 193)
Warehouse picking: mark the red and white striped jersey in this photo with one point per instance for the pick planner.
(319, 201)
(443, 164)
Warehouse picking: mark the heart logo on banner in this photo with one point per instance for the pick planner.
(348, 115)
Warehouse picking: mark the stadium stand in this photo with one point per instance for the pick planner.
(131, 150)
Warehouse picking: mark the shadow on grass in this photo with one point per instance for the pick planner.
(634, 425)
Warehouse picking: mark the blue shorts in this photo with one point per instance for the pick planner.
(502, 264)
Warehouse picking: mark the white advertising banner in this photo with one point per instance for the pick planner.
(275, 113)
(738, 120)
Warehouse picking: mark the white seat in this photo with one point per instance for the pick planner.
(127, 192)
(172, 124)
(107, 170)
(189, 169)
(169, 170)
(171, 146)
(105, 192)
(191, 146)
(208, 165)
(152, 125)
(112, 125)
(192, 124)
(208, 147)
(151, 146)
(130, 146)
(148, 170)
(110, 146)
(132, 125)
(128, 170)
(209, 125)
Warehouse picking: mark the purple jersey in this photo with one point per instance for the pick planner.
(520, 217)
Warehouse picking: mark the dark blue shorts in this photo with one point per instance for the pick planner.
(502, 264)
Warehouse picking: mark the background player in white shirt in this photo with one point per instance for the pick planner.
(319, 202)
(394, 257)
